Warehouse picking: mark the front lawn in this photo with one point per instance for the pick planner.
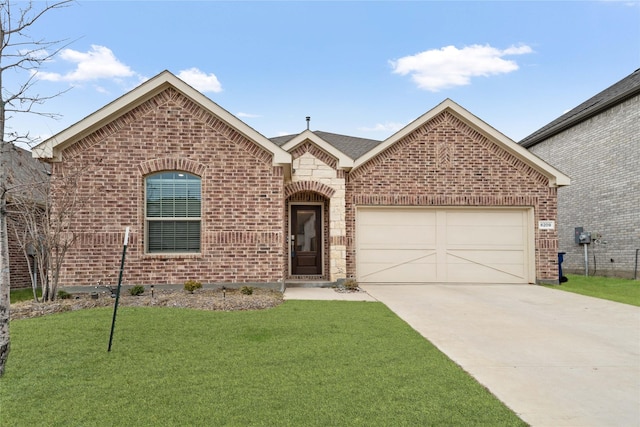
(304, 363)
(611, 288)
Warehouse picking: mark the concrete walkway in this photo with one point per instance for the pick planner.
(327, 294)
(555, 358)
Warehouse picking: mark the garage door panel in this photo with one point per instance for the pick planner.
(398, 236)
(475, 273)
(488, 256)
(464, 245)
(384, 216)
(393, 256)
(421, 270)
(485, 235)
(477, 217)
(488, 265)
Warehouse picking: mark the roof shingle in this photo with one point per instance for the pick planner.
(352, 146)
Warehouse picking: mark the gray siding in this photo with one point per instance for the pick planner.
(602, 157)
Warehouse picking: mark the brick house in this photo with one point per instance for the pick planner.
(446, 199)
(596, 143)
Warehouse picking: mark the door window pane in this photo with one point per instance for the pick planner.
(306, 239)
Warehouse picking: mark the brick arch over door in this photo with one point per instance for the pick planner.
(313, 186)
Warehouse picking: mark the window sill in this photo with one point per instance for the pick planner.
(173, 255)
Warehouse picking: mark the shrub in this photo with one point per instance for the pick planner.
(64, 294)
(350, 284)
(246, 290)
(192, 285)
(136, 290)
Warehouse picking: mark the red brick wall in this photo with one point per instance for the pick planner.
(242, 198)
(446, 163)
(18, 267)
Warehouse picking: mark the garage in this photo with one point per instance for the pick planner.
(445, 245)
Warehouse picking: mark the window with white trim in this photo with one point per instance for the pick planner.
(173, 207)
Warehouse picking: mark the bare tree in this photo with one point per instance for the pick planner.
(44, 232)
(27, 213)
(24, 55)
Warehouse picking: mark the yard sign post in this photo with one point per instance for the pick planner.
(115, 307)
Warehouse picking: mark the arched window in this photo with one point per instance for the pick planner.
(173, 207)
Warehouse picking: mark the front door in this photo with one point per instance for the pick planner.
(306, 240)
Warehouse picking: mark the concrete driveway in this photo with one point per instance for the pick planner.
(555, 358)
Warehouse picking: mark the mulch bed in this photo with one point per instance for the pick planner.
(201, 299)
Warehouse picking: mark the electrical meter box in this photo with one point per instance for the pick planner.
(582, 237)
(585, 238)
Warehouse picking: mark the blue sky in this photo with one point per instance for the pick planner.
(357, 68)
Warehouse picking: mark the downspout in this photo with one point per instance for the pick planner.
(635, 267)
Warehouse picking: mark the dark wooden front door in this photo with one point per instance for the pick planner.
(306, 240)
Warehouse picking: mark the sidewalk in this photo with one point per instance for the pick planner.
(327, 294)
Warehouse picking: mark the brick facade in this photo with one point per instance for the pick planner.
(242, 198)
(602, 156)
(248, 185)
(20, 275)
(446, 163)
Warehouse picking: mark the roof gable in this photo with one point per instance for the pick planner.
(351, 146)
(556, 178)
(52, 147)
(344, 161)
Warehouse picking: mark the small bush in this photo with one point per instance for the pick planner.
(136, 290)
(63, 294)
(246, 290)
(192, 285)
(350, 284)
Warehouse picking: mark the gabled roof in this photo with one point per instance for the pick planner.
(613, 95)
(52, 147)
(352, 146)
(344, 161)
(343, 147)
(556, 178)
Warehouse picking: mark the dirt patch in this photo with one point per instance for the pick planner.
(202, 299)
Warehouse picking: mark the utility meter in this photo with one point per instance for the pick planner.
(585, 238)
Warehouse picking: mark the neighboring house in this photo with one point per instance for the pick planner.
(24, 172)
(446, 199)
(598, 145)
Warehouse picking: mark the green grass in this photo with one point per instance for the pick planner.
(610, 288)
(304, 363)
(26, 294)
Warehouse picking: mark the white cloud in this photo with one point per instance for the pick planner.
(438, 69)
(248, 115)
(383, 127)
(98, 63)
(200, 80)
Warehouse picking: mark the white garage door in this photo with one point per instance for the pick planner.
(444, 245)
